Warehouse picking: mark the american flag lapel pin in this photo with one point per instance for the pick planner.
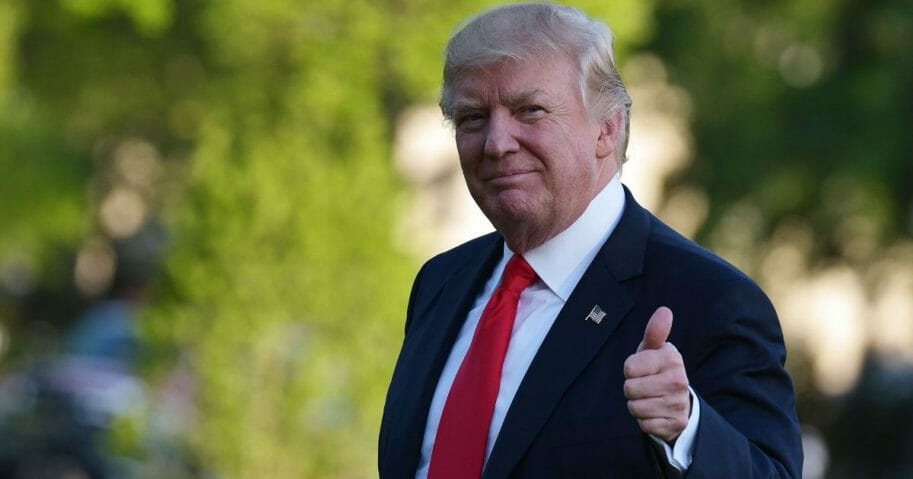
(596, 314)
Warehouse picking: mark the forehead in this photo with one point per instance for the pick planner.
(554, 75)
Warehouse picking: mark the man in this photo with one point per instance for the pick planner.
(547, 349)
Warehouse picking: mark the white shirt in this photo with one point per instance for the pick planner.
(560, 263)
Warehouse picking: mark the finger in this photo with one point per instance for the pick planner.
(674, 407)
(652, 361)
(658, 328)
(671, 382)
(667, 429)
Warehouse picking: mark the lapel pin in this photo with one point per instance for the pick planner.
(596, 314)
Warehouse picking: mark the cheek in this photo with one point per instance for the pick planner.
(469, 149)
(569, 170)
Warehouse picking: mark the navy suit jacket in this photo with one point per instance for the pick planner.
(569, 418)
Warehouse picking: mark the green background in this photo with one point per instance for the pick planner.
(270, 125)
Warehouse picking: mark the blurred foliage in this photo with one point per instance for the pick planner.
(274, 120)
(803, 111)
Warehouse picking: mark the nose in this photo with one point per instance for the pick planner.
(500, 139)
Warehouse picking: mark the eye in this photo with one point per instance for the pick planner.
(531, 112)
(469, 120)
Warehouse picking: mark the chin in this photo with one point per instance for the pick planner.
(512, 206)
(513, 215)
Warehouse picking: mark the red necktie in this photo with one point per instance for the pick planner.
(462, 435)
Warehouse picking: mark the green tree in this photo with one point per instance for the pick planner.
(285, 287)
(272, 122)
(801, 111)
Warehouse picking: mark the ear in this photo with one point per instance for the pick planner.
(609, 134)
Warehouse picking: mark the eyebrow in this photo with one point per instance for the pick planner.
(466, 105)
(514, 99)
(509, 99)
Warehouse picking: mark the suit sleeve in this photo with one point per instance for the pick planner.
(413, 295)
(748, 425)
(383, 449)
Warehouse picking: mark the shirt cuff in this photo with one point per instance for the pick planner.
(680, 455)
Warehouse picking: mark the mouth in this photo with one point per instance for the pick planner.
(508, 176)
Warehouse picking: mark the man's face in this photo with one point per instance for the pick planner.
(531, 155)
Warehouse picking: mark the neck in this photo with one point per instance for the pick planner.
(521, 238)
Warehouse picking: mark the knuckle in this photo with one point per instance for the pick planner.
(680, 407)
(629, 367)
(645, 424)
(671, 355)
(682, 424)
(658, 427)
(629, 389)
(679, 381)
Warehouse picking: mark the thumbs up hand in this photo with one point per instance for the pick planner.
(656, 383)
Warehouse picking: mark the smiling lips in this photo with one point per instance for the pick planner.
(508, 176)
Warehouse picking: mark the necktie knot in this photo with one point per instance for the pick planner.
(518, 275)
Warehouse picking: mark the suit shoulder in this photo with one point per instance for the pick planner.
(437, 271)
(448, 261)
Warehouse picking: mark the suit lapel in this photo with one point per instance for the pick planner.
(428, 347)
(573, 340)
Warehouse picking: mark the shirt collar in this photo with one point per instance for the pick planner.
(561, 261)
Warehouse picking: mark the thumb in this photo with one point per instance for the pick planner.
(658, 328)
